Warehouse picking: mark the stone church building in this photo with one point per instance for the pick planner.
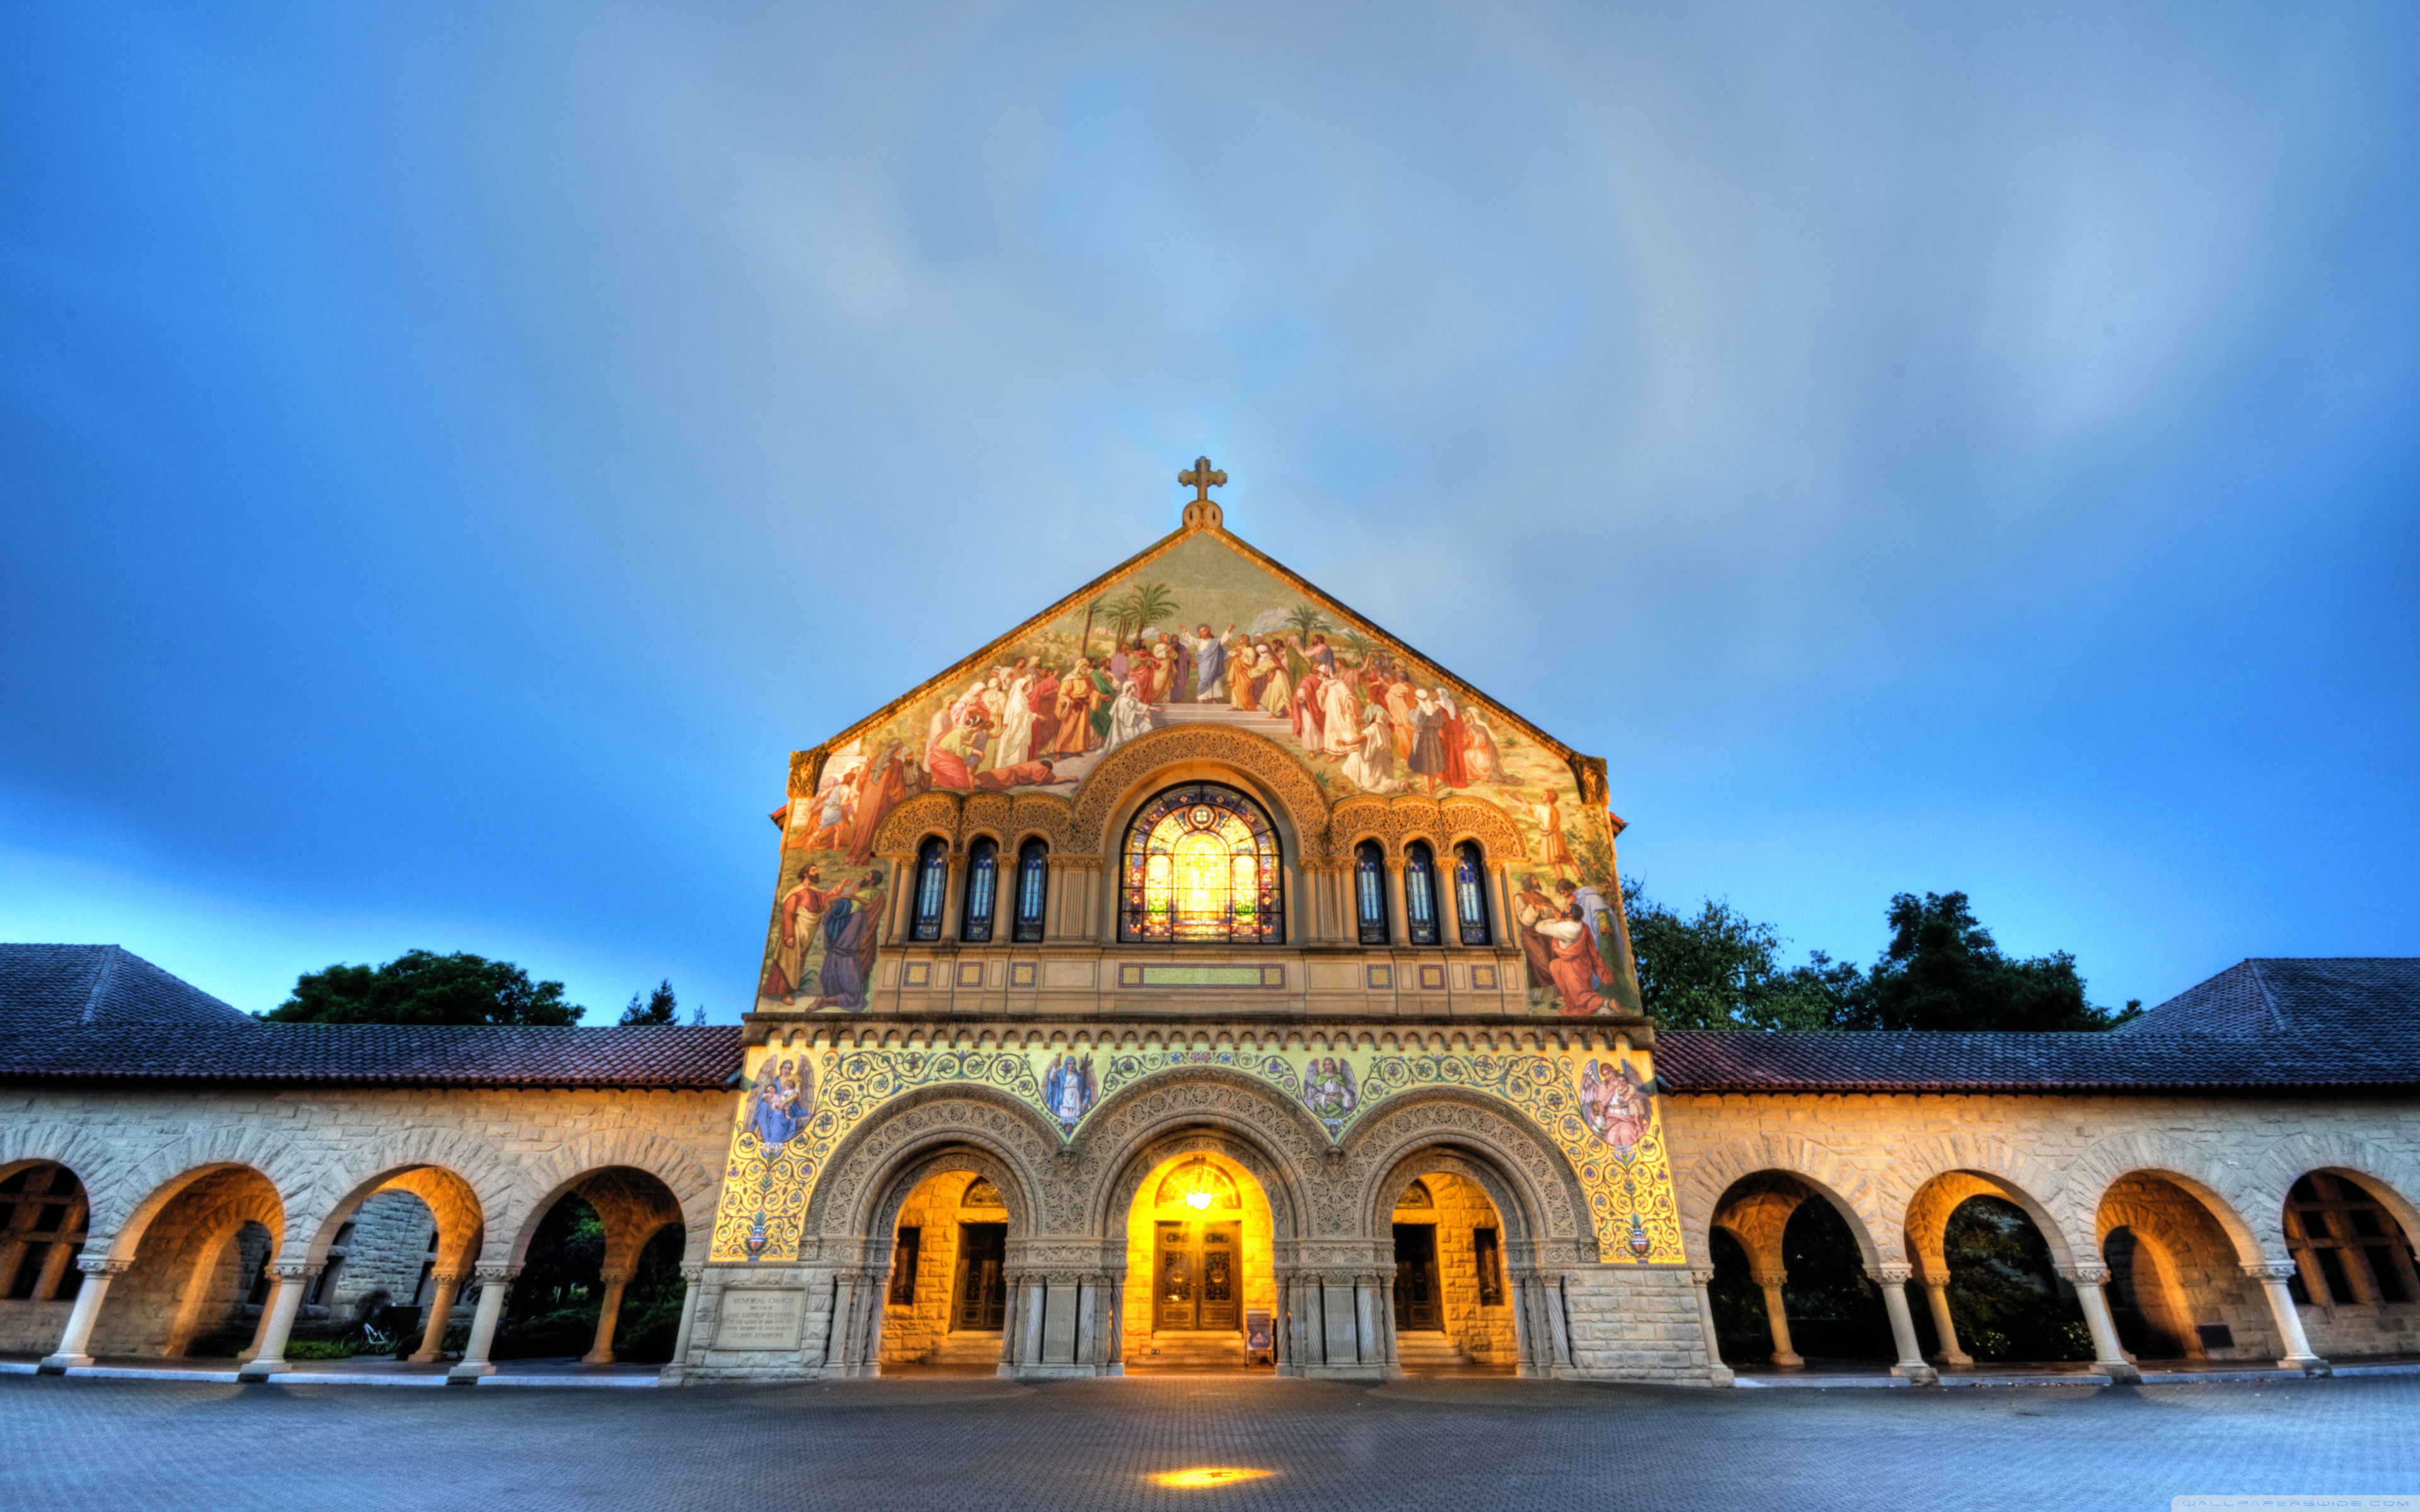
(1199, 977)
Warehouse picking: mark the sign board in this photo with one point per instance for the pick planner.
(1258, 1337)
(755, 1318)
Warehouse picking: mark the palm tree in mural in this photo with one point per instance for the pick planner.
(1306, 622)
(1084, 644)
(1150, 604)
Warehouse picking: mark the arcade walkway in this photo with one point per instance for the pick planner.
(972, 1445)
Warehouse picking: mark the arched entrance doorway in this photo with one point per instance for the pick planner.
(1791, 1280)
(1202, 1279)
(945, 1301)
(1451, 1297)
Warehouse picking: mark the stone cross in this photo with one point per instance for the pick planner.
(1202, 478)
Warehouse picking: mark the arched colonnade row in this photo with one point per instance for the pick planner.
(174, 1236)
(2215, 1255)
(1331, 1217)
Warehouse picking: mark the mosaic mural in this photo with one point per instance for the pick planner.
(1598, 1107)
(1194, 633)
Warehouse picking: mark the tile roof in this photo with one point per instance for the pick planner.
(2285, 1024)
(97, 1013)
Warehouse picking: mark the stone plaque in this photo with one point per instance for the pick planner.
(760, 1319)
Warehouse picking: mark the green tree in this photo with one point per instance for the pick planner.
(1306, 622)
(1943, 971)
(1149, 605)
(658, 1007)
(423, 987)
(1720, 970)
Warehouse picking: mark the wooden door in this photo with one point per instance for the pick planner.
(981, 1301)
(1222, 1283)
(1416, 1278)
(1176, 1284)
(1198, 1279)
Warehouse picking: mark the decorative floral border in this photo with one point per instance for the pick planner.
(764, 1192)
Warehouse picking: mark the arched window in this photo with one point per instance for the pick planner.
(1370, 891)
(931, 876)
(983, 891)
(1421, 892)
(1032, 890)
(1471, 893)
(1199, 1186)
(1201, 864)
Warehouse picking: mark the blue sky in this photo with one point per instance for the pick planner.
(449, 454)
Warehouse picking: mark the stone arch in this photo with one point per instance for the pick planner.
(462, 1176)
(1531, 1183)
(87, 1158)
(859, 1188)
(1111, 791)
(1212, 1110)
(1920, 1172)
(1464, 817)
(1700, 1185)
(511, 1225)
(906, 825)
(2184, 1163)
(2261, 1186)
(175, 1250)
(122, 1208)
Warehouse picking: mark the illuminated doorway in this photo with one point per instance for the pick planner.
(1200, 1278)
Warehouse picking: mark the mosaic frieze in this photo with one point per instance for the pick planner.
(1597, 1107)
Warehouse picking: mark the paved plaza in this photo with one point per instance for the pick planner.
(971, 1444)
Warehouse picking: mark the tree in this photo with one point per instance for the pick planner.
(658, 1007)
(1943, 970)
(1149, 603)
(1722, 970)
(1307, 620)
(423, 987)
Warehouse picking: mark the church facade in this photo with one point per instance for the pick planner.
(1197, 977)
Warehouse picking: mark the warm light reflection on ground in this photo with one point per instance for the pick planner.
(1207, 1475)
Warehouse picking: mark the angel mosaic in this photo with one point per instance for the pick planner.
(1069, 1089)
(1328, 1091)
(1615, 1103)
(778, 1104)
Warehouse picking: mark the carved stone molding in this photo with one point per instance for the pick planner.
(1398, 821)
(1254, 756)
(1551, 1203)
(2265, 1271)
(1281, 1144)
(954, 1120)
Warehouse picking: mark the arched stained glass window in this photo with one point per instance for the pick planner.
(931, 877)
(983, 891)
(1199, 1186)
(1201, 865)
(1471, 893)
(1032, 890)
(1370, 891)
(1421, 892)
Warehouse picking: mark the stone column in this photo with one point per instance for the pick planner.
(693, 1278)
(901, 899)
(270, 1358)
(1499, 907)
(952, 897)
(495, 1281)
(2108, 1357)
(2272, 1279)
(1398, 925)
(1936, 1293)
(1783, 1355)
(260, 1329)
(1700, 1276)
(441, 1309)
(1893, 1280)
(607, 1318)
(99, 1272)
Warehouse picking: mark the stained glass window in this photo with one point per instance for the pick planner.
(1471, 893)
(1199, 1186)
(1370, 891)
(1200, 866)
(931, 876)
(1032, 886)
(1419, 893)
(983, 891)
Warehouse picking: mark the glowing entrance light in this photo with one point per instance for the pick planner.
(1206, 1475)
(1199, 1201)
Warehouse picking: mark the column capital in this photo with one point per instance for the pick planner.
(692, 1271)
(491, 1275)
(1701, 1274)
(2271, 1270)
(453, 1277)
(2085, 1275)
(609, 1276)
(296, 1270)
(1772, 1279)
(1891, 1276)
(102, 1265)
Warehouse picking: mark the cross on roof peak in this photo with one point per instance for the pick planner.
(1202, 509)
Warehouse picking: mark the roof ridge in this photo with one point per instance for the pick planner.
(111, 956)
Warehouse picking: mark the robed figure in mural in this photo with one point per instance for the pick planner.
(778, 1105)
(1068, 1088)
(851, 931)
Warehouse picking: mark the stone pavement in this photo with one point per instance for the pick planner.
(974, 1444)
